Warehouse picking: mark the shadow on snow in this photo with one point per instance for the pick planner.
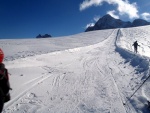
(141, 65)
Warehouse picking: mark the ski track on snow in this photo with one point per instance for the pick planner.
(87, 65)
(81, 80)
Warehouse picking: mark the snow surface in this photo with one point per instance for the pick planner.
(92, 72)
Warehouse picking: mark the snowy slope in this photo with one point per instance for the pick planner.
(94, 72)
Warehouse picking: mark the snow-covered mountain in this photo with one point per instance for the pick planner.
(91, 72)
(108, 22)
(139, 22)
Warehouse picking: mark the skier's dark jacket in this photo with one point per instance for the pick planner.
(4, 82)
(135, 44)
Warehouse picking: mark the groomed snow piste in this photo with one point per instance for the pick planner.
(92, 72)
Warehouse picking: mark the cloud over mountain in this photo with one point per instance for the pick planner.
(123, 7)
(146, 16)
(112, 13)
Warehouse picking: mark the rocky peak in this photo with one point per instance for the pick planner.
(108, 22)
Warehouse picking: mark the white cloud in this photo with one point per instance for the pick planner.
(96, 18)
(112, 13)
(90, 25)
(88, 3)
(146, 16)
(123, 6)
(130, 9)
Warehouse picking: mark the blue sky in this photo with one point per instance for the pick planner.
(28, 18)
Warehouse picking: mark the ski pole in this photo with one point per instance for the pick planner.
(137, 90)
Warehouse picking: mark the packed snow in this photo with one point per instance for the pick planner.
(92, 72)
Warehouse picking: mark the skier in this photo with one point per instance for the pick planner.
(135, 44)
(4, 83)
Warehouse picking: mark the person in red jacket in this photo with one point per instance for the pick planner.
(4, 83)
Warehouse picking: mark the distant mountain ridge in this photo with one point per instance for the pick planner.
(43, 36)
(108, 22)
